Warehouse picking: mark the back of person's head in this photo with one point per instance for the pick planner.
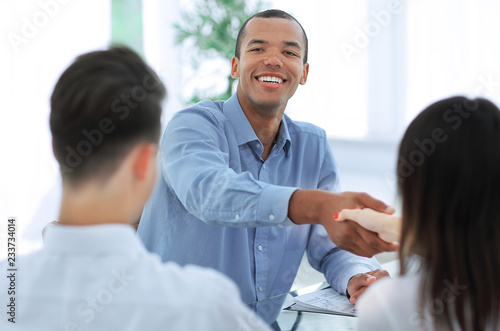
(270, 13)
(449, 181)
(103, 104)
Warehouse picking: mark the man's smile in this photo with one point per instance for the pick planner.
(271, 81)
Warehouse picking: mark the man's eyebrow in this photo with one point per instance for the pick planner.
(292, 44)
(256, 41)
(286, 43)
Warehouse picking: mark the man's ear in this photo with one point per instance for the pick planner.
(235, 67)
(143, 159)
(305, 72)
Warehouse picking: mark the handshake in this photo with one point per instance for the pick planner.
(363, 225)
(388, 227)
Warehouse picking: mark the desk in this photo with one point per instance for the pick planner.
(320, 322)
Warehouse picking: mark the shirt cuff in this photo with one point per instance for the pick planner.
(273, 205)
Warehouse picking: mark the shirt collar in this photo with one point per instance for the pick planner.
(91, 238)
(244, 132)
(284, 140)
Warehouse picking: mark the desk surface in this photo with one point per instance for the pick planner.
(320, 322)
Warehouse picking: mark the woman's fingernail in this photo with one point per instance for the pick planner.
(336, 216)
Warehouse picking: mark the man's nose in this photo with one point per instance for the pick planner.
(274, 59)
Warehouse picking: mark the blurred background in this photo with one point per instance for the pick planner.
(374, 64)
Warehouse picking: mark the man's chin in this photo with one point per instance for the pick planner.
(272, 106)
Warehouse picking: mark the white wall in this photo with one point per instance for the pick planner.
(39, 39)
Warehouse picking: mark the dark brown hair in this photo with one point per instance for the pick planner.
(103, 104)
(449, 180)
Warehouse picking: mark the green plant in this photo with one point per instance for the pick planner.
(210, 31)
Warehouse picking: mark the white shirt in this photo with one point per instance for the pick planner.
(393, 304)
(102, 278)
(390, 304)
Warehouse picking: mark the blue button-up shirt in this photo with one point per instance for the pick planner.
(218, 204)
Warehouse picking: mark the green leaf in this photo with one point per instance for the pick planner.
(211, 25)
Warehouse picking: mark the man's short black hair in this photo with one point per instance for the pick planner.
(103, 104)
(270, 13)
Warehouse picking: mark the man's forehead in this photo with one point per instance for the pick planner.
(258, 28)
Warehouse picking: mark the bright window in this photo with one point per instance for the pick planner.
(453, 48)
(39, 40)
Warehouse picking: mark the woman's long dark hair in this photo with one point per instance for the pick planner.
(449, 181)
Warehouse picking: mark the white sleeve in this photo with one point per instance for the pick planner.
(233, 314)
(223, 309)
(373, 310)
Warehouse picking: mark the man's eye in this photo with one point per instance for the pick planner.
(256, 50)
(290, 53)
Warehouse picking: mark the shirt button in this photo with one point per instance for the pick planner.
(264, 166)
(237, 217)
(259, 247)
(260, 288)
(257, 145)
(271, 217)
(280, 225)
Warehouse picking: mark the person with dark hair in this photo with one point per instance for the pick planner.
(93, 273)
(246, 190)
(271, 13)
(449, 182)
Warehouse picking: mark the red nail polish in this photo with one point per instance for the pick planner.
(336, 216)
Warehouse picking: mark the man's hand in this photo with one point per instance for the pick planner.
(318, 207)
(358, 284)
(353, 238)
(388, 227)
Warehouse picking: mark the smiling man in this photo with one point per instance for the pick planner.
(246, 190)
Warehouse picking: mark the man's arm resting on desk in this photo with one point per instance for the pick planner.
(318, 207)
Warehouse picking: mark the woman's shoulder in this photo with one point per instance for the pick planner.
(393, 289)
(389, 304)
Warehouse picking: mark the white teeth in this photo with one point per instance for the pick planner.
(271, 79)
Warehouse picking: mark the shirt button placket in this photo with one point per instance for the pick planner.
(264, 173)
(261, 261)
